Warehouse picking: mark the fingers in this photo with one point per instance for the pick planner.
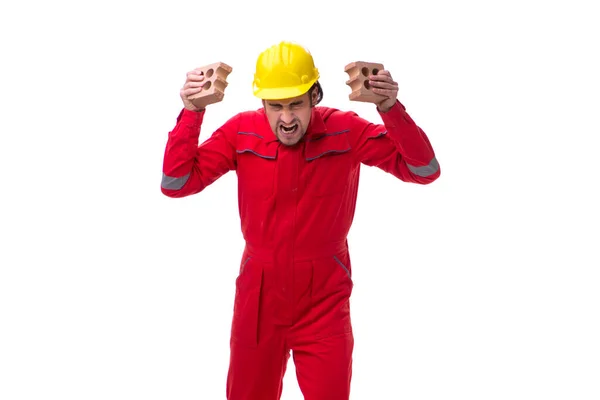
(190, 92)
(383, 84)
(195, 75)
(194, 79)
(383, 74)
(377, 86)
(193, 84)
(391, 94)
(382, 77)
(191, 88)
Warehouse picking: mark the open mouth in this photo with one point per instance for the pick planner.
(288, 130)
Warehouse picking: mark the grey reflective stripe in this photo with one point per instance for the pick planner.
(326, 152)
(250, 133)
(329, 134)
(343, 266)
(426, 170)
(168, 182)
(244, 264)
(253, 152)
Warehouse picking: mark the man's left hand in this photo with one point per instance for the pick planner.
(384, 85)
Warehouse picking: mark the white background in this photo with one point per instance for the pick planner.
(483, 285)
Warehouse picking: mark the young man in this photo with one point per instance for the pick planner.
(298, 169)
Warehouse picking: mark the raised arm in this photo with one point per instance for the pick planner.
(398, 145)
(188, 168)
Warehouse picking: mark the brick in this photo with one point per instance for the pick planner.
(213, 91)
(358, 73)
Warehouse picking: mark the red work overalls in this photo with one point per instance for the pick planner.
(296, 207)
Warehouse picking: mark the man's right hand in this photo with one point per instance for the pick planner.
(193, 85)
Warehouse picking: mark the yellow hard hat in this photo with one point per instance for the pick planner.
(284, 70)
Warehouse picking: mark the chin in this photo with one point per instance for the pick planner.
(290, 141)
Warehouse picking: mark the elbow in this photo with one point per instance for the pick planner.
(427, 180)
(426, 174)
(174, 194)
(172, 186)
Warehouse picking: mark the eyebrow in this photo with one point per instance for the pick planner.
(295, 103)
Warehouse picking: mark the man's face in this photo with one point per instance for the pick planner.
(289, 118)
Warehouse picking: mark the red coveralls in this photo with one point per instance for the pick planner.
(296, 206)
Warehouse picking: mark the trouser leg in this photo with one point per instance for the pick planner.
(258, 350)
(256, 373)
(322, 341)
(324, 367)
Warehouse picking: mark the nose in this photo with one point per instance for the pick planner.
(287, 117)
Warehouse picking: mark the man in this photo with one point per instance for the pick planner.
(298, 168)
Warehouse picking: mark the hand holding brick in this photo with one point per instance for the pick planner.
(213, 90)
(359, 72)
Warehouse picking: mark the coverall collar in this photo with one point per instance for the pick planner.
(316, 127)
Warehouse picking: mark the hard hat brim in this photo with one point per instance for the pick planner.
(282, 93)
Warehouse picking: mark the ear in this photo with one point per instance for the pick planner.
(314, 96)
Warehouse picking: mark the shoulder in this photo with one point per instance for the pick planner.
(243, 120)
(332, 113)
(335, 117)
(351, 125)
(249, 118)
(249, 114)
(246, 115)
(337, 120)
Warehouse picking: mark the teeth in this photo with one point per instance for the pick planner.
(288, 129)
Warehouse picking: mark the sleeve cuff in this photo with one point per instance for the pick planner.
(191, 117)
(395, 116)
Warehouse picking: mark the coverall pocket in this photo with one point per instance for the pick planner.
(341, 264)
(256, 177)
(329, 165)
(256, 163)
(244, 329)
(333, 274)
(330, 297)
(345, 266)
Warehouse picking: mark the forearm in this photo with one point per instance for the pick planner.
(188, 168)
(410, 140)
(180, 155)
